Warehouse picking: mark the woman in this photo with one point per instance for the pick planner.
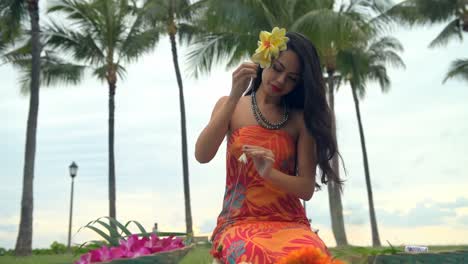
(283, 126)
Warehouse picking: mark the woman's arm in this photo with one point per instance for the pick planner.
(213, 134)
(211, 137)
(302, 185)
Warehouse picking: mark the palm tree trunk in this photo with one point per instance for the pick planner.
(112, 87)
(24, 241)
(334, 194)
(373, 219)
(188, 209)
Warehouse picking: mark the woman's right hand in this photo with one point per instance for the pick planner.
(241, 78)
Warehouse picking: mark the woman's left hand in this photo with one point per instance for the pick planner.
(263, 158)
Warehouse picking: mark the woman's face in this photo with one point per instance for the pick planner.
(283, 74)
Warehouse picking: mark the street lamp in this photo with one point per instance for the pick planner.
(73, 168)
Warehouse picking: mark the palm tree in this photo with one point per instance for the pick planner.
(422, 12)
(458, 69)
(104, 35)
(334, 32)
(14, 12)
(359, 66)
(52, 70)
(175, 16)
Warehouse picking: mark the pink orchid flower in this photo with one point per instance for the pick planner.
(101, 254)
(84, 259)
(133, 247)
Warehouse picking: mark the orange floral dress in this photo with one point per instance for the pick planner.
(260, 223)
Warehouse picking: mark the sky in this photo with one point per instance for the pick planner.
(415, 135)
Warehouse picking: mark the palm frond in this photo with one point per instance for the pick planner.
(329, 29)
(188, 32)
(263, 8)
(57, 71)
(363, 9)
(458, 70)
(184, 10)
(101, 72)
(156, 11)
(385, 51)
(104, 34)
(13, 12)
(138, 43)
(228, 30)
(386, 42)
(388, 57)
(140, 37)
(12, 15)
(54, 70)
(353, 64)
(451, 31)
(212, 49)
(83, 46)
(22, 52)
(421, 12)
(79, 14)
(383, 23)
(379, 73)
(234, 16)
(360, 65)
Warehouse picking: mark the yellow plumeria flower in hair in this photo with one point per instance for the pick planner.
(269, 46)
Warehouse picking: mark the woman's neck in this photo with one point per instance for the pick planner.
(264, 99)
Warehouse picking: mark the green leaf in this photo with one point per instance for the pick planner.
(458, 69)
(112, 241)
(171, 234)
(113, 231)
(142, 229)
(121, 226)
(451, 31)
(94, 243)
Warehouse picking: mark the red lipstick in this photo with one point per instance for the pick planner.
(275, 89)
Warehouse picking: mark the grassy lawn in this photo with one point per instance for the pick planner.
(41, 259)
(200, 255)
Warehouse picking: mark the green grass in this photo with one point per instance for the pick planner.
(39, 259)
(355, 254)
(200, 255)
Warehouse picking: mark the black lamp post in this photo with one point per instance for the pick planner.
(73, 170)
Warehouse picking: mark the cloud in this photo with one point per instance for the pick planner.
(400, 236)
(428, 213)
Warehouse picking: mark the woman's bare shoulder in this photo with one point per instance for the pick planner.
(297, 118)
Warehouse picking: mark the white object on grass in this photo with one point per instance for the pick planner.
(416, 249)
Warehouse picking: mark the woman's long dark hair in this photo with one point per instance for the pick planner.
(309, 96)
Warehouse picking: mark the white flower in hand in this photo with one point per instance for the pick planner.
(243, 158)
(262, 158)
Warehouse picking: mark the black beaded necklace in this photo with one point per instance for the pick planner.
(262, 121)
